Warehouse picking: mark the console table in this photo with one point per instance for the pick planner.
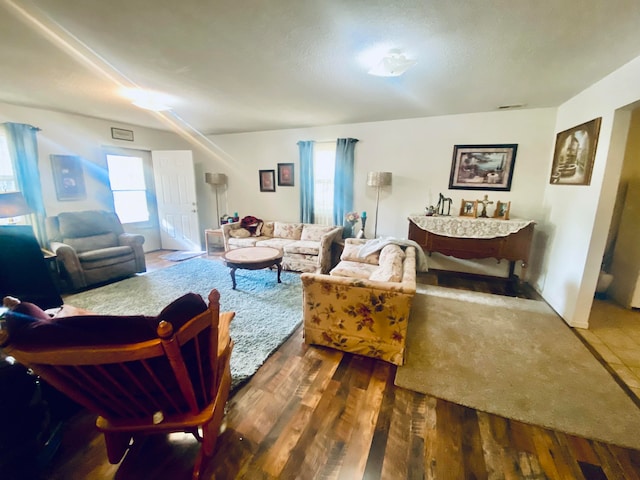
(471, 238)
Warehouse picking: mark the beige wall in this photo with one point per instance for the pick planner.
(578, 217)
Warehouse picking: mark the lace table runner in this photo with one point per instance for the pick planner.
(467, 227)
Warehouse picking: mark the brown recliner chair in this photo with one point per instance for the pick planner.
(92, 248)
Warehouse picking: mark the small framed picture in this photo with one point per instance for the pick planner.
(68, 177)
(122, 134)
(267, 180)
(285, 174)
(469, 208)
(502, 210)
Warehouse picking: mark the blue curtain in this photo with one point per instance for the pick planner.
(23, 149)
(306, 181)
(343, 184)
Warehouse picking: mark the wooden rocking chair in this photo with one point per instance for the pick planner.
(176, 382)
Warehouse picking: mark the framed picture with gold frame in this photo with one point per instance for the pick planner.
(469, 208)
(502, 210)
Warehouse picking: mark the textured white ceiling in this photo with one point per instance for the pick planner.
(250, 65)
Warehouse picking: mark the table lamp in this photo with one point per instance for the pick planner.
(378, 180)
(13, 204)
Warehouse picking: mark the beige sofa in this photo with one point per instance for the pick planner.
(306, 247)
(363, 305)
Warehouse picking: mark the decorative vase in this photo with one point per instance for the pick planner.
(361, 232)
(347, 229)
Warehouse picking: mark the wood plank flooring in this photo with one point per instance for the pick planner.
(316, 413)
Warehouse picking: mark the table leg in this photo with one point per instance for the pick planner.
(233, 277)
(279, 271)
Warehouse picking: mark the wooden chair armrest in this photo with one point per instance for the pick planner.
(223, 331)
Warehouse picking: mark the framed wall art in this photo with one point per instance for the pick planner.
(502, 210)
(68, 177)
(285, 174)
(267, 180)
(483, 167)
(575, 153)
(121, 134)
(469, 208)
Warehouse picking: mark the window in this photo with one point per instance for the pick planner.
(7, 175)
(324, 165)
(126, 176)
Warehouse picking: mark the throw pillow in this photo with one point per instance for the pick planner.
(267, 229)
(351, 253)
(390, 251)
(314, 233)
(290, 231)
(239, 233)
(258, 231)
(389, 271)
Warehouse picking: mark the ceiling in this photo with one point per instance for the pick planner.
(251, 65)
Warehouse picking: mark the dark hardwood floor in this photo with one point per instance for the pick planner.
(316, 413)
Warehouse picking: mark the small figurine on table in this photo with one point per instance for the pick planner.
(484, 203)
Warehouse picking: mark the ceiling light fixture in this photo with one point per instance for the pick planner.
(393, 64)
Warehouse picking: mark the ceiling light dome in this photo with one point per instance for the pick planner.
(393, 64)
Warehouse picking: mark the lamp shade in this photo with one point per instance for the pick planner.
(13, 204)
(378, 179)
(215, 178)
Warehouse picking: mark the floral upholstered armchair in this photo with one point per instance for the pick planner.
(356, 314)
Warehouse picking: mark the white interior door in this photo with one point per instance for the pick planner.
(176, 193)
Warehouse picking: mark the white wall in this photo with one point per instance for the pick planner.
(418, 152)
(66, 134)
(578, 217)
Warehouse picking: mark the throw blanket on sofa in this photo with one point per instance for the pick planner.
(378, 244)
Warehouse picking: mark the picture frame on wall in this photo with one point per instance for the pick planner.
(285, 174)
(469, 208)
(68, 177)
(267, 180)
(575, 153)
(502, 210)
(483, 167)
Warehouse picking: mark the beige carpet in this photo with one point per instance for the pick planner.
(515, 358)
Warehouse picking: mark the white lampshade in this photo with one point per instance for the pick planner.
(378, 179)
(13, 204)
(215, 178)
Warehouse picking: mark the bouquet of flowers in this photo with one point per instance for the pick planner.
(352, 217)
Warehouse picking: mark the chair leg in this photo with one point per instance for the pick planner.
(117, 445)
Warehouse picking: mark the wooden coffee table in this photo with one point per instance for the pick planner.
(252, 258)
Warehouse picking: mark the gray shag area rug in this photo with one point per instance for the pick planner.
(515, 358)
(267, 312)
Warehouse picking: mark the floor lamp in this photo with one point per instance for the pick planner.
(216, 179)
(378, 180)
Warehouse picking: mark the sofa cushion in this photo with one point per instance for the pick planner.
(291, 231)
(244, 242)
(390, 269)
(314, 232)
(351, 253)
(84, 224)
(94, 242)
(267, 229)
(349, 269)
(274, 242)
(389, 252)
(303, 247)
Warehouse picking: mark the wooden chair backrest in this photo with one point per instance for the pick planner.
(177, 373)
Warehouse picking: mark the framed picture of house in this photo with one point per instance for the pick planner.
(285, 175)
(502, 210)
(483, 167)
(267, 180)
(469, 208)
(574, 154)
(68, 177)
